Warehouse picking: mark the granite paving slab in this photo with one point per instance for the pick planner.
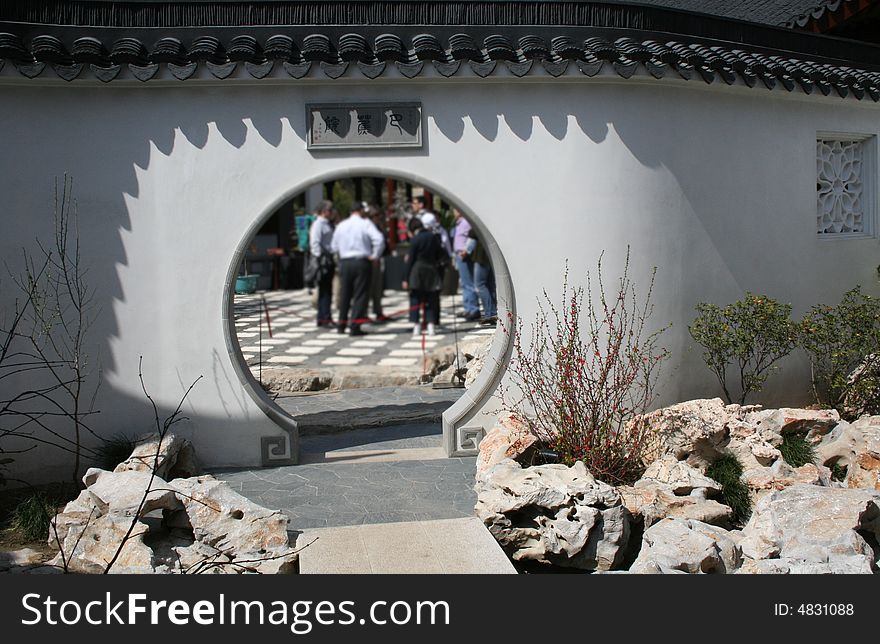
(333, 494)
(421, 546)
(331, 412)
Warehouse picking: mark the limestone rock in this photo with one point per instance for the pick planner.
(477, 364)
(188, 525)
(553, 514)
(89, 543)
(686, 546)
(509, 438)
(864, 472)
(789, 566)
(445, 360)
(781, 475)
(818, 527)
(174, 457)
(655, 502)
(122, 491)
(224, 518)
(679, 476)
(693, 431)
(815, 423)
(230, 523)
(752, 447)
(855, 446)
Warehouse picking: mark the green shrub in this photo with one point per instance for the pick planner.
(728, 471)
(843, 344)
(750, 335)
(30, 517)
(838, 471)
(797, 450)
(112, 451)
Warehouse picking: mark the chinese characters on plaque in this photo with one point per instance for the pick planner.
(359, 125)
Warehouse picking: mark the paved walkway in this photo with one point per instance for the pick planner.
(384, 475)
(349, 409)
(296, 340)
(450, 546)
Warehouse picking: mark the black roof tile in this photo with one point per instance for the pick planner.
(610, 37)
(624, 55)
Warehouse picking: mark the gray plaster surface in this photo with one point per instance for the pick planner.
(450, 546)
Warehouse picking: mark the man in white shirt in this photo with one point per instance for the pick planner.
(359, 244)
(320, 238)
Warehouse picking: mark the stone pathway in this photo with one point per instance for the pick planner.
(332, 412)
(297, 341)
(344, 481)
(449, 546)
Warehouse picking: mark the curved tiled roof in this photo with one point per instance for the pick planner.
(132, 13)
(588, 38)
(372, 57)
(818, 10)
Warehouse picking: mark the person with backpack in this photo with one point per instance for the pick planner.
(424, 279)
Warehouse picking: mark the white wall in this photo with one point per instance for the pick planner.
(716, 187)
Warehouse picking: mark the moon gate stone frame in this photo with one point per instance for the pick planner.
(461, 433)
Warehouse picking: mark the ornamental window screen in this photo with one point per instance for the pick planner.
(844, 196)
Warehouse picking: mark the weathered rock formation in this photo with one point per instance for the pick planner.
(856, 447)
(553, 514)
(509, 438)
(803, 521)
(687, 546)
(811, 529)
(143, 523)
(671, 488)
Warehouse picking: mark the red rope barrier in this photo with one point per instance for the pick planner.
(268, 319)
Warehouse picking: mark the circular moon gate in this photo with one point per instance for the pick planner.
(461, 430)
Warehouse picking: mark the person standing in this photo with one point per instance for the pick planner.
(429, 221)
(359, 245)
(484, 279)
(423, 277)
(321, 265)
(377, 275)
(465, 265)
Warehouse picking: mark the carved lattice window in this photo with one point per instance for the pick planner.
(842, 196)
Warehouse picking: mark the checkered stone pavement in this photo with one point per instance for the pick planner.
(296, 340)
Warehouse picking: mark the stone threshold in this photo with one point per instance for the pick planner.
(445, 546)
(373, 456)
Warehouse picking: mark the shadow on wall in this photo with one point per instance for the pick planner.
(149, 120)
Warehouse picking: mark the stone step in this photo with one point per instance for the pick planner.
(446, 546)
(373, 455)
(367, 408)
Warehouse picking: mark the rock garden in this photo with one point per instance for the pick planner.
(581, 473)
(685, 513)
(155, 513)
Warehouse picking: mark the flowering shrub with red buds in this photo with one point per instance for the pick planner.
(585, 373)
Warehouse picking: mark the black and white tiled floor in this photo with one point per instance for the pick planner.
(296, 340)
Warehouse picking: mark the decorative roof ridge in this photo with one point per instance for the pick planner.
(820, 11)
